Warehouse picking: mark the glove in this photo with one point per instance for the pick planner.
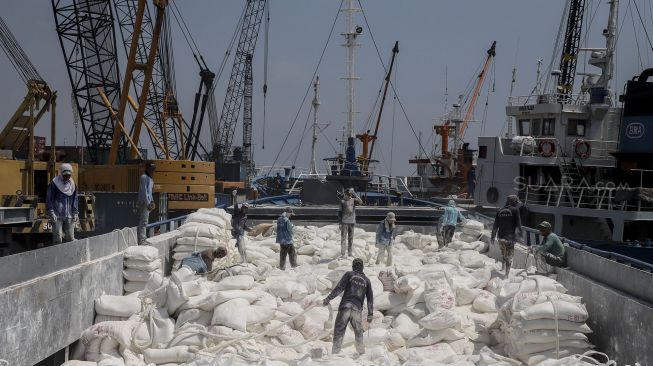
(51, 216)
(325, 302)
(234, 193)
(369, 318)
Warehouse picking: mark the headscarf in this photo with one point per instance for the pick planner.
(66, 187)
(452, 203)
(389, 225)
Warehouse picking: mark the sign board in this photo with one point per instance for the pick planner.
(188, 197)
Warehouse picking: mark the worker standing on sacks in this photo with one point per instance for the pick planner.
(356, 287)
(507, 222)
(385, 237)
(145, 201)
(285, 239)
(61, 205)
(347, 216)
(239, 226)
(448, 221)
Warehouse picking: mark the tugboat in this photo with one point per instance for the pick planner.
(578, 161)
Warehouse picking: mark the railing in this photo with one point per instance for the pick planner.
(599, 149)
(165, 226)
(574, 99)
(529, 146)
(601, 196)
(295, 190)
(385, 185)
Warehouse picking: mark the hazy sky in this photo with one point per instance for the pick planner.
(433, 36)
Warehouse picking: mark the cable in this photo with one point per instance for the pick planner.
(265, 66)
(643, 25)
(308, 87)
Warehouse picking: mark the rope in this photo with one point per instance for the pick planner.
(643, 25)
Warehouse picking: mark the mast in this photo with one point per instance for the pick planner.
(316, 105)
(350, 43)
(610, 44)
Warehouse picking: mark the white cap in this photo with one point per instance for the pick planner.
(66, 169)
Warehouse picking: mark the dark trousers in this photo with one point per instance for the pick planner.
(344, 317)
(447, 233)
(288, 250)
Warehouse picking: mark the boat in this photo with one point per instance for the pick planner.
(580, 161)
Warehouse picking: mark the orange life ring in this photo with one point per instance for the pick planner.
(546, 148)
(583, 148)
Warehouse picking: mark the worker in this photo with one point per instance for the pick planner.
(356, 287)
(550, 251)
(285, 239)
(202, 262)
(239, 225)
(61, 205)
(280, 182)
(507, 223)
(347, 216)
(385, 237)
(471, 182)
(145, 201)
(448, 221)
(255, 195)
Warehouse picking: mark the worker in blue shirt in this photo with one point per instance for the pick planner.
(285, 239)
(448, 221)
(61, 205)
(145, 201)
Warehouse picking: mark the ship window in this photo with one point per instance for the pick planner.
(482, 152)
(548, 127)
(535, 130)
(525, 127)
(576, 127)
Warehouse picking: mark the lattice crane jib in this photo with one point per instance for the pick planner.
(87, 37)
(222, 136)
(570, 48)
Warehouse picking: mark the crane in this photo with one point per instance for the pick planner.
(570, 48)
(86, 35)
(222, 134)
(491, 53)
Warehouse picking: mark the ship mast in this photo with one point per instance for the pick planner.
(316, 104)
(350, 43)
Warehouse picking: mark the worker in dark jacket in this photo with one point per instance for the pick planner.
(551, 251)
(356, 287)
(285, 239)
(202, 262)
(61, 205)
(239, 225)
(507, 226)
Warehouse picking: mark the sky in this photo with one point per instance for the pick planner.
(441, 46)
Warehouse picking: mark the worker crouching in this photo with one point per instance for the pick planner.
(551, 251)
(61, 205)
(285, 239)
(202, 262)
(356, 287)
(385, 237)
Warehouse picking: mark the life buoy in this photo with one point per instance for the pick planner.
(583, 148)
(546, 148)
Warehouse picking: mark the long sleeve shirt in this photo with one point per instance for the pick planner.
(348, 209)
(506, 222)
(284, 230)
(145, 190)
(238, 220)
(356, 287)
(383, 235)
(451, 216)
(551, 244)
(62, 205)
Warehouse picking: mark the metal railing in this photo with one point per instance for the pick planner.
(554, 98)
(595, 197)
(295, 190)
(388, 183)
(599, 149)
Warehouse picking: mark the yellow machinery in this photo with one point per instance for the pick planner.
(189, 185)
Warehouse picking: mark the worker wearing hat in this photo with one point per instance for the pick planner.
(356, 288)
(239, 225)
(347, 215)
(145, 201)
(551, 251)
(61, 205)
(385, 237)
(285, 239)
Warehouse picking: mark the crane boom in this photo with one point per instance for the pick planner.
(477, 89)
(223, 134)
(569, 57)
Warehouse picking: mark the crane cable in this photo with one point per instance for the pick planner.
(308, 88)
(16, 55)
(265, 65)
(643, 25)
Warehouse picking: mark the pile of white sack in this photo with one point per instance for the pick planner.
(207, 228)
(433, 307)
(540, 321)
(142, 264)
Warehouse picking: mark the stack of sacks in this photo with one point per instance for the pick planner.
(414, 240)
(204, 229)
(142, 265)
(541, 321)
(432, 308)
